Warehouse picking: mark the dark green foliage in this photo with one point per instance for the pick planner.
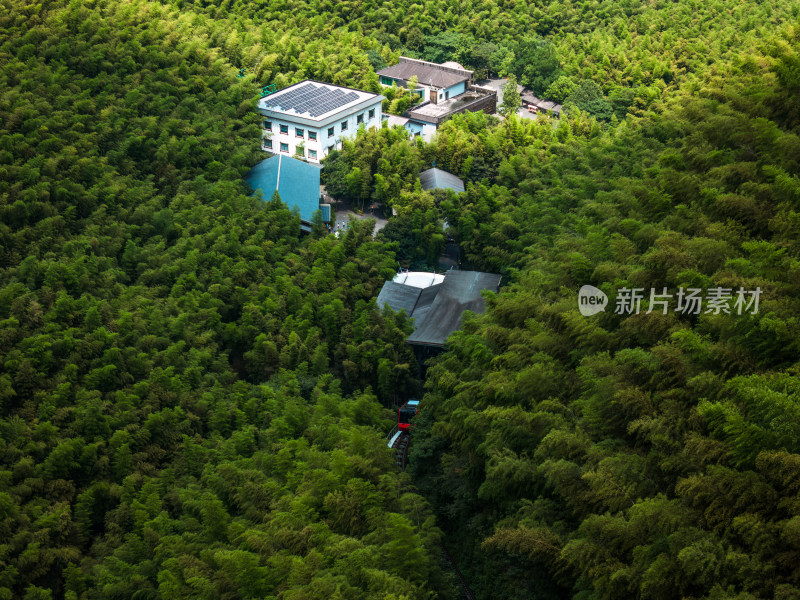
(192, 395)
(588, 97)
(536, 63)
(642, 456)
(376, 60)
(418, 237)
(445, 46)
(485, 58)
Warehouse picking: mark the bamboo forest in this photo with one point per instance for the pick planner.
(203, 381)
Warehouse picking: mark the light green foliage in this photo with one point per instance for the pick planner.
(511, 98)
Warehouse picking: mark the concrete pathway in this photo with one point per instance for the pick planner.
(344, 213)
(343, 220)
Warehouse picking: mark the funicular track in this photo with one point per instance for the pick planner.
(399, 441)
(466, 593)
(436, 301)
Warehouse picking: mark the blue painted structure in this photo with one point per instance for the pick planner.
(454, 90)
(297, 183)
(414, 127)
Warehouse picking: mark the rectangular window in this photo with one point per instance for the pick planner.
(360, 119)
(344, 125)
(299, 132)
(284, 129)
(386, 80)
(447, 95)
(300, 151)
(330, 131)
(284, 147)
(312, 135)
(371, 113)
(268, 125)
(268, 144)
(312, 154)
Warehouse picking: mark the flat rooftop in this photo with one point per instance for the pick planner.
(435, 113)
(419, 279)
(314, 100)
(445, 108)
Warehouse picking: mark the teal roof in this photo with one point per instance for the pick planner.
(298, 184)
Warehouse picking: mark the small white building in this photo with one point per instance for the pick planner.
(309, 119)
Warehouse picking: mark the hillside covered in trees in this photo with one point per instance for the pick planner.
(648, 455)
(188, 388)
(194, 396)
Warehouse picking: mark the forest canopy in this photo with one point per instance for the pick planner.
(194, 396)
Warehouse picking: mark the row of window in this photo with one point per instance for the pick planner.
(312, 135)
(285, 148)
(298, 132)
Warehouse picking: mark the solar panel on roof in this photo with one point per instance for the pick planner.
(312, 99)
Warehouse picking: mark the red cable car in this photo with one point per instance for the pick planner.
(406, 413)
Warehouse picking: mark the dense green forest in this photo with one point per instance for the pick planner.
(194, 396)
(643, 456)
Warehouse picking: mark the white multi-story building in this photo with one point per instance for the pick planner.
(309, 119)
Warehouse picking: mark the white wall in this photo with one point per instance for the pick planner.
(323, 141)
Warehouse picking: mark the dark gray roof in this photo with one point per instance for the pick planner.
(427, 73)
(544, 105)
(424, 303)
(460, 291)
(313, 99)
(415, 301)
(436, 178)
(399, 296)
(437, 309)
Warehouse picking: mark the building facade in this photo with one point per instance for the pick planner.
(435, 83)
(309, 119)
(443, 90)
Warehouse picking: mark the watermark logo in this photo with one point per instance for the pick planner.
(591, 300)
(686, 301)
